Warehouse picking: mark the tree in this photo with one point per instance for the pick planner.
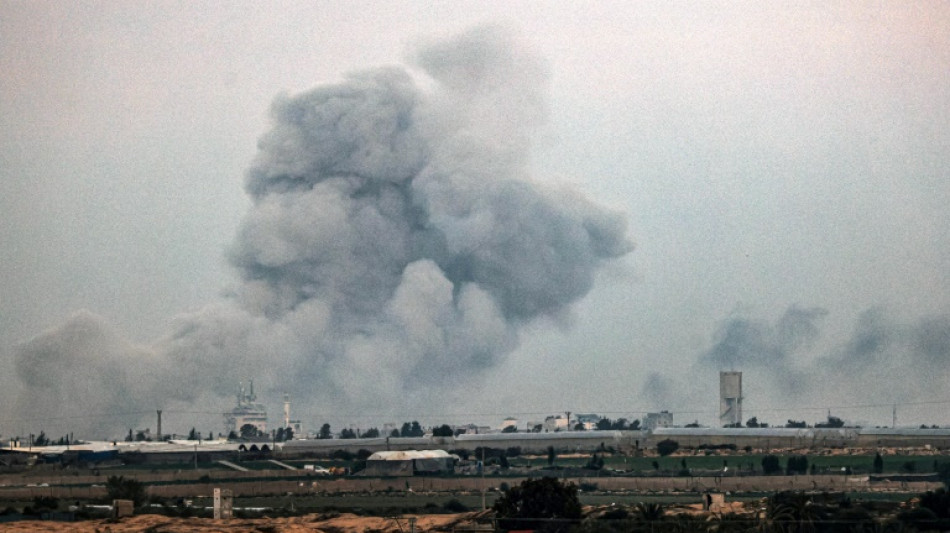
(347, 433)
(394, 433)
(122, 488)
(129, 438)
(771, 464)
(249, 431)
(41, 439)
(797, 464)
(535, 503)
(635, 425)
(416, 430)
(666, 447)
(878, 463)
(370, 433)
(796, 424)
(193, 435)
(279, 437)
(604, 424)
(595, 462)
(510, 429)
(443, 431)
(288, 434)
(833, 422)
(752, 422)
(325, 432)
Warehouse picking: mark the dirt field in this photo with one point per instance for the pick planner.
(342, 523)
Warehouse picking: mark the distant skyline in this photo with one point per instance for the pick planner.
(742, 186)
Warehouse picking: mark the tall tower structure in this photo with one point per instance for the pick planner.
(286, 410)
(730, 398)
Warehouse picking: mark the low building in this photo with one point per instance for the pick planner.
(409, 463)
(555, 423)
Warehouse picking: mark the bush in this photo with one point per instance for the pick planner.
(455, 506)
(463, 454)
(937, 501)
(120, 488)
(363, 454)
(771, 465)
(797, 464)
(878, 465)
(666, 447)
(587, 486)
(44, 504)
(342, 455)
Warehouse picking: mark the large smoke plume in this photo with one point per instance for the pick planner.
(395, 242)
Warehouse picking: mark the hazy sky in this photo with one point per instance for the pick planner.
(783, 172)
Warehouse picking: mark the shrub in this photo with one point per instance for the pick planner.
(771, 465)
(797, 464)
(342, 455)
(455, 506)
(121, 488)
(666, 447)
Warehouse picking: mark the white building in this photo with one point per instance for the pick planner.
(663, 419)
(555, 423)
(588, 421)
(248, 411)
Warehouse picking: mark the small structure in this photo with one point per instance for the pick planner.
(122, 508)
(223, 504)
(409, 463)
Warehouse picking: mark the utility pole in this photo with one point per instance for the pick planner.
(483, 479)
(568, 420)
(894, 417)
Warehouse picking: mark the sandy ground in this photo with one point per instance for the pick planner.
(343, 523)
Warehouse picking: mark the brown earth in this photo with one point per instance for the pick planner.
(335, 523)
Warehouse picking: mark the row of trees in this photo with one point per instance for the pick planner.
(831, 422)
(409, 429)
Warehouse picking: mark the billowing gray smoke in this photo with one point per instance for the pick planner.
(885, 361)
(395, 241)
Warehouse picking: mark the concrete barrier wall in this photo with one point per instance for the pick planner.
(313, 485)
